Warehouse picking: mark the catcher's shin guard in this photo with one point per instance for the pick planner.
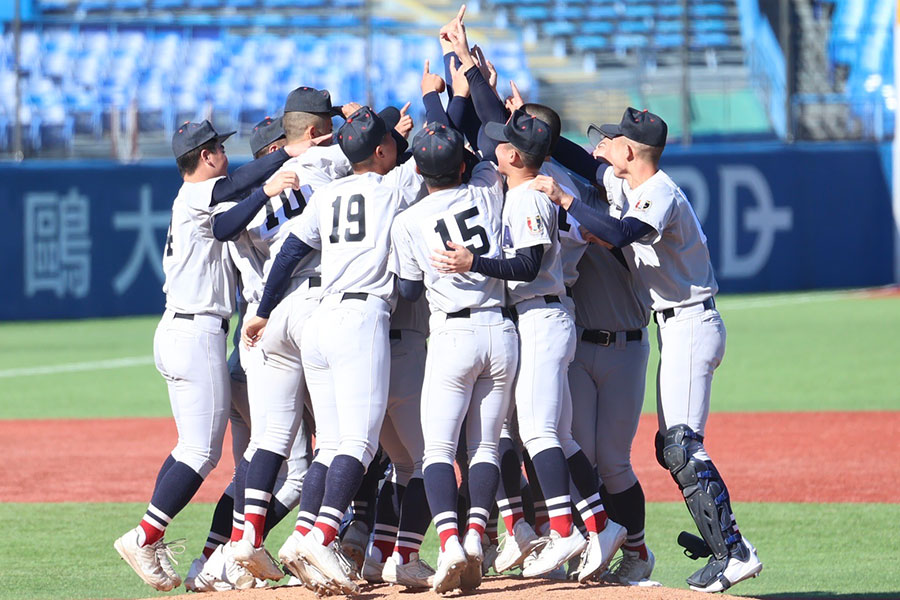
(704, 491)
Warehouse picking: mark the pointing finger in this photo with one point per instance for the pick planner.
(427, 64)
(405, 107)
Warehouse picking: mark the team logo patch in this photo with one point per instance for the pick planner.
(507, 238)
(535, 224)
(642, 204)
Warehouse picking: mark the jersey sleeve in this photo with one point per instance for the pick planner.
(653, 207)
(306, 226)
(402, 261)
(404, 179)
(530, 220)
(202, 210)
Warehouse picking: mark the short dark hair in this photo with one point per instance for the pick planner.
(548, 116)
(447, 180)
(188, 163)
(531, 161)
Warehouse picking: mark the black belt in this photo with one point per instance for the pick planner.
(605, 338)
(315, 282)
(467, 312)
(569, 292)
(395, 334)
(354, 296)
(552, 299)
(190, 317)
(708, 304)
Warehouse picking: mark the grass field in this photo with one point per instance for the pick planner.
(800, 352)
(816, 351)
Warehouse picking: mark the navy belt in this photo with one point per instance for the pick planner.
(315, 281)
(354, 296)
(190, 317)
(395, 334)
(602, 337)
(708, 304)
(467, 312)
(551, 299)
(569, 292)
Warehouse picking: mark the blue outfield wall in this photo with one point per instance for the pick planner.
(85, 239)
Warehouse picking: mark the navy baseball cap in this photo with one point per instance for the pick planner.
(193, 135)
(264, 133)
(364, 131)
(637, 125)
(525, 132)
(310, 100)
(437, 149)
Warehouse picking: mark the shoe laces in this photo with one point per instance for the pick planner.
(420, 568)
(166, 551)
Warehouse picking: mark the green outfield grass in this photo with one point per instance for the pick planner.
(814, 351)
(65, 550)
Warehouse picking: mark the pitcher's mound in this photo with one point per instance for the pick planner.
(492, 588)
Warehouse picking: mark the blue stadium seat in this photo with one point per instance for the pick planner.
(600, 12)
(668, 40)
(672, 9)
(594, 27)
(668, 26)
(710, 40)
(168, 4)
(629, 41)
(639, 26)
(588, 43)
(707, 10)
(532, 13)
(95, 5)
(130, 4)
(639, 10)
(558, 28)
(708, 25)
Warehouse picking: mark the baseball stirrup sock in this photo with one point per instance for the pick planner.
(311, 498)
(341, 483)
(414, 520)
(387, 519)
(628, 508)
(240, 484)
(587, 485)
(219, 530)
(175, 490)
(492, 524)
(484, 479)
(261, 476)
(541, 519)
(167, 464)
(363, 503)
(440, 488)
(553, 474)
(277, 513)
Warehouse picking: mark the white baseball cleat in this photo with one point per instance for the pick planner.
(601, 548)
(415, 573)
(630, 569)
(490, 554)
(256, 560)
(196, 566)
(354, 542)
(516, 547)
(470, 578)
(740, 565)
(451, 562)
(557, 551)
(311, 577)
(327, 559)
(374, 571)
(144, 560)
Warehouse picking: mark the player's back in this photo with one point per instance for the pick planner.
(469, 215)
(200, 276)
(350, 221)
(572, 244)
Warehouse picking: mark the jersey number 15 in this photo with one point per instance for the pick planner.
(467, 232)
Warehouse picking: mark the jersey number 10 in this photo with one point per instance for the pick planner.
(467, 232)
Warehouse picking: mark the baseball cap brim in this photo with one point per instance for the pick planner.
(337, 111)
(496, 132)
(390, 116)
(596, 134)
(224, 136)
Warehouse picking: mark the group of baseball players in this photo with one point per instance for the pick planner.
(531, 267)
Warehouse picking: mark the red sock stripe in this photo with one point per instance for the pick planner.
(327, 530)
(303, 529)
(259, 525)
(562, 524)
(475, 526)
(236, 533)
(446, 534)
(385, 547)
(510, 521)
(152, 534)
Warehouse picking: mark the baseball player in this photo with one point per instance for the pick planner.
(189, 344)
(473, 347)
(663, 241)
(350, 221)
(546, 330)
(275, 385)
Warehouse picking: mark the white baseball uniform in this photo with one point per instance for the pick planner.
(546, 328)
(473, 346)
(346, 347)
(673, 265)
(190, 340)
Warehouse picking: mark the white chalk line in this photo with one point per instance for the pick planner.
(95, 365)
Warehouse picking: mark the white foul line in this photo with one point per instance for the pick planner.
(96, 365)
(737, 303)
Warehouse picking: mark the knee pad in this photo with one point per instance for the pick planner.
(660, 442)
(704, 491)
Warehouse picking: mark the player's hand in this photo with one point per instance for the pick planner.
(299, 148)
(253, 331)
(454, 22)
(350, 108)
(593, 239)
(456, 260)
(405, 124)
(431, 82)
(460, 83)
(485, 66)
(281, 181)
(515, 101)
(548, 185)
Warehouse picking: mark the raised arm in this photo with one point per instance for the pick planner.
(229, 224)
